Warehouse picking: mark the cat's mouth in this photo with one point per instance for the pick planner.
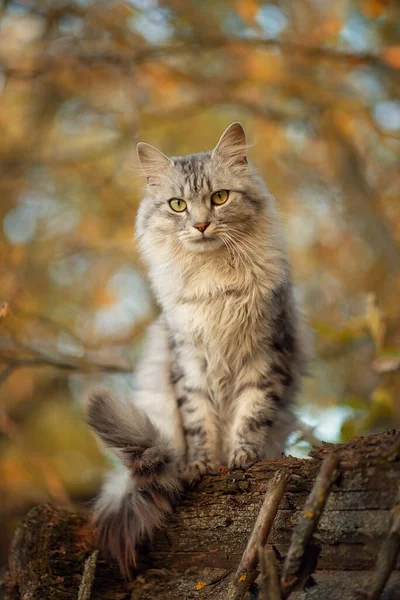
(203, 239)
(204, 243)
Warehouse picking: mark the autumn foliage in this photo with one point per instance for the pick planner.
(316, 85)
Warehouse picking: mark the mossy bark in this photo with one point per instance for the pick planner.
(196, 554)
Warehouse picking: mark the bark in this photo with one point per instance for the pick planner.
(198, 553)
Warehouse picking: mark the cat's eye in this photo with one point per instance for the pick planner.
(220, 197)
(177, 204)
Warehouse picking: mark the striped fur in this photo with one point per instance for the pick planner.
(222, 365)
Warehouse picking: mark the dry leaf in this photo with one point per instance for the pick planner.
(372, 8)
(247, 9)
(4, 311)
(391, 56)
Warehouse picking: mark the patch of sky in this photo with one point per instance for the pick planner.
(387, 114)
(301, 230)
(68, 270)
(296, 134)
(74, 116)
(132, 301)
(271, 19)
(318, 198)
(61, 222)
(357, 34)
(313, 208)
(249, 33)
(70, 25)
(16, 8)
(154, 25)
(39, 215)
(326, 423)
(84, 3)
(233, 25)
(143, 4)
(19, 225)
(68, 345)
(80, 383)
(365, 80)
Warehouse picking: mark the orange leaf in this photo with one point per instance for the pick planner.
(105, 297)
(372, 8)
(391, 56)
(332, 27)
(201, 585)
(247, 9)
(4, 311)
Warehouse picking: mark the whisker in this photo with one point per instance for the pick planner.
(243, 250)
(236, 252)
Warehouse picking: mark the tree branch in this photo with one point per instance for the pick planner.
(388, 554)
(204, 539)
(246, 573)
(270, 588)
(295, 567)
(130, 58)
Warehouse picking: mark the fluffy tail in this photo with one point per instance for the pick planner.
(133, 502)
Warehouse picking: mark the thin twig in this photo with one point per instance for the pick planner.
(6, 372)
(388, 553)
(18, 353)
(85, 588)
(246, 572)
(67, 364)
(270, 588)
(297, 564)
(265, 519)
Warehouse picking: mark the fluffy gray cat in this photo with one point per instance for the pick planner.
(222, 364)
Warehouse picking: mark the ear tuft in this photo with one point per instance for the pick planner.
(152, 161)
(232, 146)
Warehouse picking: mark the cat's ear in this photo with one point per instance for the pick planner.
(232, 146)
(152, 161)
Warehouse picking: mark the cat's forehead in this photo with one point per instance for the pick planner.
(199, 174)
(194, 172)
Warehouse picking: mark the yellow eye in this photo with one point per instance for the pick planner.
(177, 204)
(220, 197)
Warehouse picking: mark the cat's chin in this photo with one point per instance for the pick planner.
(202, 245)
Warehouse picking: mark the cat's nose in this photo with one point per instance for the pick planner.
(201, 226)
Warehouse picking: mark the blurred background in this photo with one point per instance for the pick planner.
(315, 83)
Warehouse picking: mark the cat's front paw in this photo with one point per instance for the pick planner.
(243, 457)
(195, 470)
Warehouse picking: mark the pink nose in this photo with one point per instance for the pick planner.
(201, 226)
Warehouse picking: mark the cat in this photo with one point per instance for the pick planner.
(222, 364)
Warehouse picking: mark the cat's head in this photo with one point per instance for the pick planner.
(202, 202)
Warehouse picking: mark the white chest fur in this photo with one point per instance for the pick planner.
(217, 309)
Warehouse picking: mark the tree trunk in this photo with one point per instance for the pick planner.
(201, 546)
